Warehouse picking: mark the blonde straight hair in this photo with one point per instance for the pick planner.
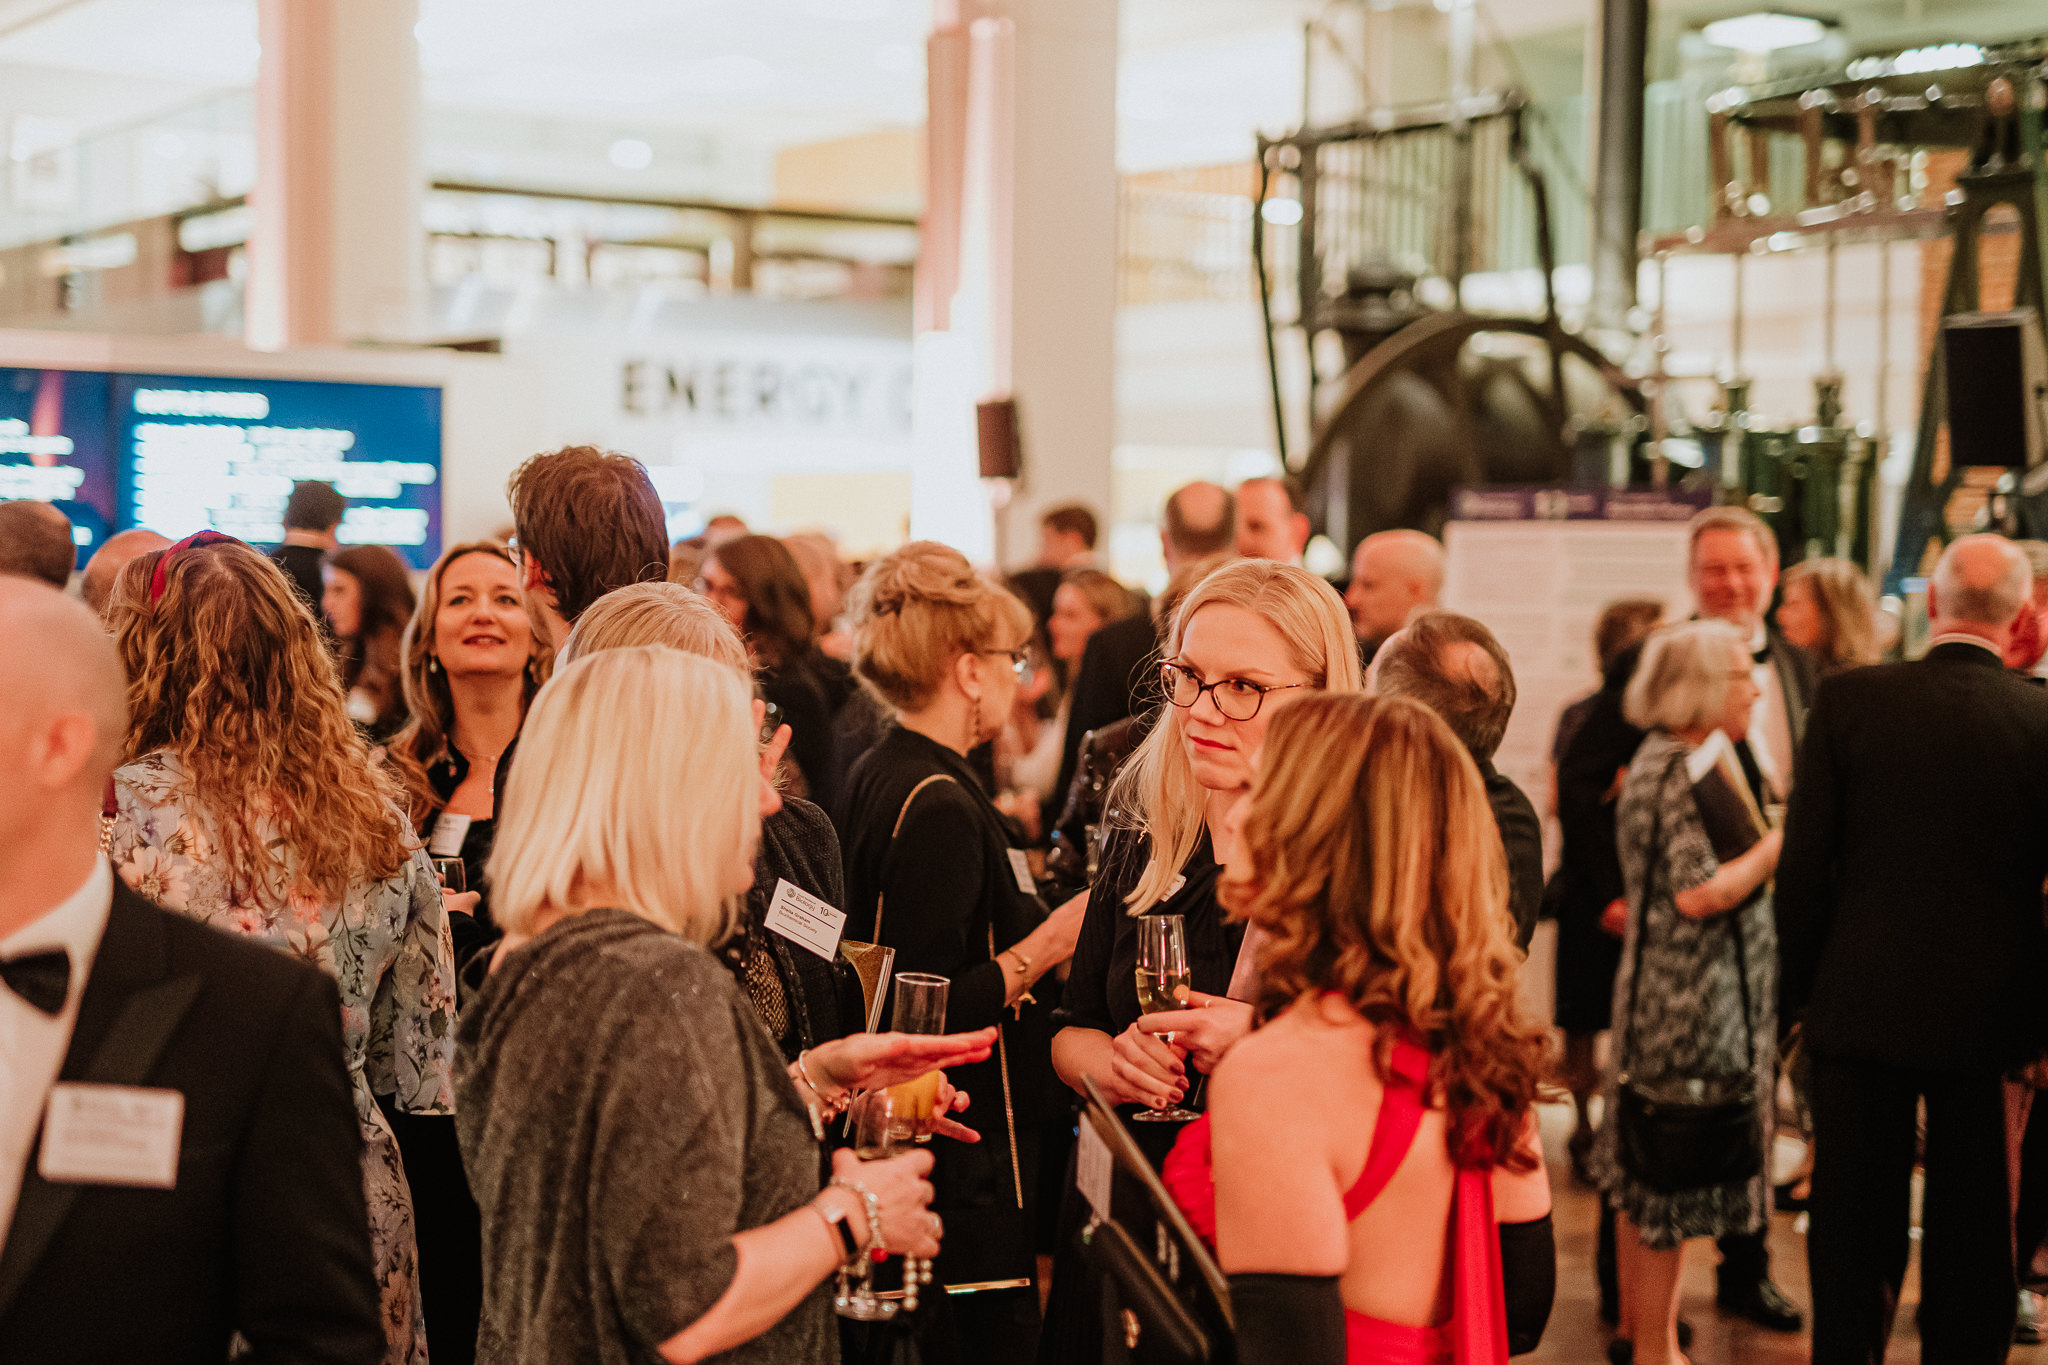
(592, 800)
(1158, 782)
(658, 614)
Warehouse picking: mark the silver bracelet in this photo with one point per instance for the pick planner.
(878, 1249)
(827, 1107)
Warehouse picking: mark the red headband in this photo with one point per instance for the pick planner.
(191, 542)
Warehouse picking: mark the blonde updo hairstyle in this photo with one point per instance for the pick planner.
(919, 609)
(1158, 783)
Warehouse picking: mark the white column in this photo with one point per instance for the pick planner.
(1017, 289)
(337, 252)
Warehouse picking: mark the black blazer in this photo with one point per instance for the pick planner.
(1797, 679)
(266, 1233)
(1909, 891)
(1521, 837)
(1113, 682)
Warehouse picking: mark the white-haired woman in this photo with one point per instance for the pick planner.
(646, 1167)
(1696, 993)
(1248, 637)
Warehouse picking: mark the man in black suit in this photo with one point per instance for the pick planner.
(1909, 922)
(1453, 665)
(179, 1157)
(1113, 680)
(312, 515)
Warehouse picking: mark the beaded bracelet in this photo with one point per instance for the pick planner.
(878, 1249)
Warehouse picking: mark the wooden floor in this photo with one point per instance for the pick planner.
(1576, 1335)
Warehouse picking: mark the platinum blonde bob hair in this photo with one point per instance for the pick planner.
(1682, 679)
(591, 801)
(657, 614)
(1158, 783)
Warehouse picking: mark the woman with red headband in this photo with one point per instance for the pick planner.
(248, 801)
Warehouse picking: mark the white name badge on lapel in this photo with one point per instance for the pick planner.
(1020, 868)
(449, 832)
(805, 920)
(112, 1135)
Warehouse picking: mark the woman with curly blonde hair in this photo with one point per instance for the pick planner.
(249, 801)
(1362, 1228)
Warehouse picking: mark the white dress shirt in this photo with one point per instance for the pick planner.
(33, 1044)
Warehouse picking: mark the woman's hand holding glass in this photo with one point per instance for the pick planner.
(902, 1192)
(1145, 1070)
(1203, 1032)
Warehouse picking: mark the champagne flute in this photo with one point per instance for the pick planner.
(920, 1008)
(1163, 982)
(871, 1123)
(874, 1130)
(452, 874)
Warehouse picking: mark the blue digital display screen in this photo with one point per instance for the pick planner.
(178, 453)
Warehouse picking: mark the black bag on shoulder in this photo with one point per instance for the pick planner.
(1690, 1132)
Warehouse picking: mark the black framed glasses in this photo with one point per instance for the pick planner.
(1020, 661)
(1235, 698)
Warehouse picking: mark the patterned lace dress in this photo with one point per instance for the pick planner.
(386, 944)
(1687, 1018)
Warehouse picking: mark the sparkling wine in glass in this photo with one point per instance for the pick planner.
(1163, 983)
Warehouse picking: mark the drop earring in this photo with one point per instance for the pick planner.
(433, 663)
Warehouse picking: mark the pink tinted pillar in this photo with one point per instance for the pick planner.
(1017, 271)
(337, 249)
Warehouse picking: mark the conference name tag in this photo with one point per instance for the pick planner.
(449, 831)
(112, 1135)
(805, 920)
(1093, 1166)
(1020, 868)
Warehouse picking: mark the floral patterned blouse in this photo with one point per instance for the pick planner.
(385, 943)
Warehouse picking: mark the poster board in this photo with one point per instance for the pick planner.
(1537, 565)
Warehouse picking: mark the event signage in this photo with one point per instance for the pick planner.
(177, 453)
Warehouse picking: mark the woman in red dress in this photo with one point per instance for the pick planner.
(1373, 1143)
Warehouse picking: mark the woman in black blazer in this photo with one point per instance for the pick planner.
(931, 871)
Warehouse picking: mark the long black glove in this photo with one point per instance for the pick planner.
(1287, 1319)
(1528, 1273)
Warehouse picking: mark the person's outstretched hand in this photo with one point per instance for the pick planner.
(869, 1061)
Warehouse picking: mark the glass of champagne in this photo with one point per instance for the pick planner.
(920, 1008)
(1163, 985)
(871, 1123)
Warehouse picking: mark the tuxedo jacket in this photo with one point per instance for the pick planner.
(1797, 678)
(1909, 896)
(265, 1232)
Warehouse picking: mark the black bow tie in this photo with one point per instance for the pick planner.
(42, 978)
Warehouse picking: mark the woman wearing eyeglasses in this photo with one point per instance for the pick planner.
(1248, 637)
(931, 872)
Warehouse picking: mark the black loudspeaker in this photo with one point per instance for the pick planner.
(995, 422)
(1996, 384)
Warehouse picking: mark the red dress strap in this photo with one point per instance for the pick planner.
(1393, 1133)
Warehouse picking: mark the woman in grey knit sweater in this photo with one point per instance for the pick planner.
(645, 1165)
